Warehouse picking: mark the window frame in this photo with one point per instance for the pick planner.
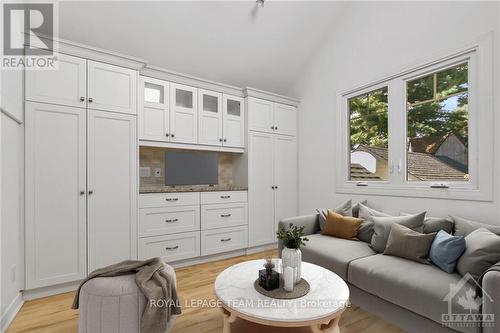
(480, 116)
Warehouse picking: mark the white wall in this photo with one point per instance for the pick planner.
(371, 41)
(12, 194)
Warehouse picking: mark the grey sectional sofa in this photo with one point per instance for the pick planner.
(409, 294)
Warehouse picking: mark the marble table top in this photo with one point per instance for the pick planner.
(328, 294)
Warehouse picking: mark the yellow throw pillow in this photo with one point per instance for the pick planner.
(341, 226)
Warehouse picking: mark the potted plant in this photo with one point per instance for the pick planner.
(291, 256)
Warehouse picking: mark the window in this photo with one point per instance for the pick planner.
(437, 120)
(368, 136)
(426, 131)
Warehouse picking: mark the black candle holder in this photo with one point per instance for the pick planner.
(269, 279)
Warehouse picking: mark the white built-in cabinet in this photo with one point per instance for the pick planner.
(112, 188)
(175, 113)
(272, 168)
(271, 117)
(81, 162)
(84, 83)
(56, 194)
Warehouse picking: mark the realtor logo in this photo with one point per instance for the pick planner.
(465, 307)
(28, 32)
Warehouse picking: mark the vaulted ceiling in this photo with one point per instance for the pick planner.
(234, 42)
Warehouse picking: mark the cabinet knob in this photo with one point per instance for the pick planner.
(225, 196)
(225, 215)
(275, 127)
(82, 192)
(167, 134)
(272, 127)
(171, 221)
(225, 140)
(91, 192)
(172, 135)
(82, 99)
(172, 248)
(91, 99)
(220, 140)
(225, 239)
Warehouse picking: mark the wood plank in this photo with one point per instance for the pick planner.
(54, 315)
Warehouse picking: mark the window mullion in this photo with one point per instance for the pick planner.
(397, 131)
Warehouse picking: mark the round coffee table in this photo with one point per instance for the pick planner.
(320, 309)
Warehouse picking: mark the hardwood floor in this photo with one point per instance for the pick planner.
(54, 315)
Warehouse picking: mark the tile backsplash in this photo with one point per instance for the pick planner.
(154, 158)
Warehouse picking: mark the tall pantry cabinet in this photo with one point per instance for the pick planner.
(272, 167)
(81, 160)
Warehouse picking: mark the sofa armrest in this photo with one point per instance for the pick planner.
(309, 222)
(491, 300)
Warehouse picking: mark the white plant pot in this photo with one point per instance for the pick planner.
(292, 258)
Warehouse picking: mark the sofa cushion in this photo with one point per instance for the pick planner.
(418, 288)
(341, 226)
(333, 253)
(463, 227)
(382, 228)
(406, 243)
(482, 250)
(365, 231)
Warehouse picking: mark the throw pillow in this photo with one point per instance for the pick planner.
(463, 227)
(341, 226)
(406, 243)
(382, 228)
(343, 209)
(445, 250)
(365, 232)
(434, 224)
(356, 207)
(482, 250)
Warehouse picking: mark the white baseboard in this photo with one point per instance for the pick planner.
(50, 291)
(252, 250)
(11, 312)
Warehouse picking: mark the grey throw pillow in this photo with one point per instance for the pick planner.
(482, 250)
(365, 231)
(356, 207)
(382, 228)
(344, 209)
(435, 224)
(406, 243)
(463, 227)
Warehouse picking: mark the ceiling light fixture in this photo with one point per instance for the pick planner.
(260, 3)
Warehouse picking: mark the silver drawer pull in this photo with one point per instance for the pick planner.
(225, 196)
(225, 239)
(172, 248)
(171, 221)
(172, 199)
(225, 215)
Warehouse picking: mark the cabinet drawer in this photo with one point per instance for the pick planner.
(151, 200)
(223, 215)
(224, 239)
(162, 221)
(172, 247)
(223, 197)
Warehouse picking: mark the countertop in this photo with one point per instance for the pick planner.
(169, 189)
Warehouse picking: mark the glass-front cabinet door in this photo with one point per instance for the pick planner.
(183, 113)
(154, 115)
(210, 118)
(233, 121)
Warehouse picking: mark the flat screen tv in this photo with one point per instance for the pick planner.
(191, 168)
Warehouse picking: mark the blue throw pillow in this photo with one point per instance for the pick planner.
(445, 250)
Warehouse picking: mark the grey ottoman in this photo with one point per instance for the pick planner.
(113, 305)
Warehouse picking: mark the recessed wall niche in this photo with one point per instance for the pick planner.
(154, 158)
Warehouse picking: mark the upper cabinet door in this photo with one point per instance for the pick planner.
(234, 123)
(112, 188)
(183, 113)
(285, 119)
(154, 115)
(210, 118)
(111, 88)
(55, 194)
(260, 115)
(64, 86)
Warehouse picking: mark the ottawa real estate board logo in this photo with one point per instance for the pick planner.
(28, 35)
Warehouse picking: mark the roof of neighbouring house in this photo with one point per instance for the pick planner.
(358, 172)
(420, 165)
(430, 144)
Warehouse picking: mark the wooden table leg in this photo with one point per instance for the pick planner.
(229, 318)
(330, 327)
